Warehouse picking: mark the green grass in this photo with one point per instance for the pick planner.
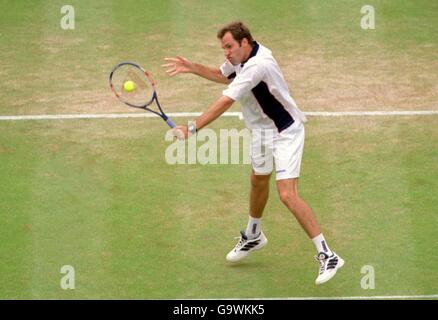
(98, 195)
(328, 60)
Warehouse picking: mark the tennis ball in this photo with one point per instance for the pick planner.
(129, 86)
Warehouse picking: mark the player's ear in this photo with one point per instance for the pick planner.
(244, 42)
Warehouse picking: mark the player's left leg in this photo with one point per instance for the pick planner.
(329, 261)
(288, 192)
(288, 150)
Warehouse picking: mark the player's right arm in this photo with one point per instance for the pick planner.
(182, 65)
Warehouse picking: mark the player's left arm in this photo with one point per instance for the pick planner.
(212, 113)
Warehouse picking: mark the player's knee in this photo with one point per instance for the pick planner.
(260, 181)
(288, 197)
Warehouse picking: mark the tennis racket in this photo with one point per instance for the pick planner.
(135, 87)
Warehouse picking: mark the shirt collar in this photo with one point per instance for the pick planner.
(255, 49)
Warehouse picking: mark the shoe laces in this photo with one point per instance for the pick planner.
(242, 240)
(322, 258)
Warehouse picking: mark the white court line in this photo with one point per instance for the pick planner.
(239, 115)
(195, 114)
(372, 113)
(107, 116)
(431, 296)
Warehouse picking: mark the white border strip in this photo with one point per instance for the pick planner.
(195, 114)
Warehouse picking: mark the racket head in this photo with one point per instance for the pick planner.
(141, 82)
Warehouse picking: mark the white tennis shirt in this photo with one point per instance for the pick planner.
(258, 84)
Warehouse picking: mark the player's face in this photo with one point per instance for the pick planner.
(234, 52)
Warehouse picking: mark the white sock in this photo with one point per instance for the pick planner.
(321, 245)
(253, 228)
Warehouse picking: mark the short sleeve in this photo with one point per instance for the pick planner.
(227, 70)
(245, 81)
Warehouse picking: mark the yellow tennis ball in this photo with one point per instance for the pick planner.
(129, 86)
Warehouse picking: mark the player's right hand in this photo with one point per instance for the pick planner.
(180, 132)
(177, 65)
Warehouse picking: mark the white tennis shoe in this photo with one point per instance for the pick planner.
(328, 266)
(245, 246)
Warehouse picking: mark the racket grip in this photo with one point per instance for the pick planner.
(170, 123)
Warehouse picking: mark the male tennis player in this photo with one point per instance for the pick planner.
(254, 78)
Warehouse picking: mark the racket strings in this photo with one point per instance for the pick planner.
(132, 86)
(140, 82)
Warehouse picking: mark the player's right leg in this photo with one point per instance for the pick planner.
(262, 165)
(253, 238)
(245, 246)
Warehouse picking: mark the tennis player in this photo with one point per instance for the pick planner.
(256, 81)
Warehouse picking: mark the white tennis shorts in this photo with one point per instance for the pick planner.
(284, 150)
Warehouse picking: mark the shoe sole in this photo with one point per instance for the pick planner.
(249, 252)
(339, 266)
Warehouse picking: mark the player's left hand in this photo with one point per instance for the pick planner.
(178, 65)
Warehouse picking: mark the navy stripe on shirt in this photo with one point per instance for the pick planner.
(272, 107)
(232, 76)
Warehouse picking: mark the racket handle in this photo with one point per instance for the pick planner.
(170, 123)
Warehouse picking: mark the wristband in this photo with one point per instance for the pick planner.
(191, 128)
